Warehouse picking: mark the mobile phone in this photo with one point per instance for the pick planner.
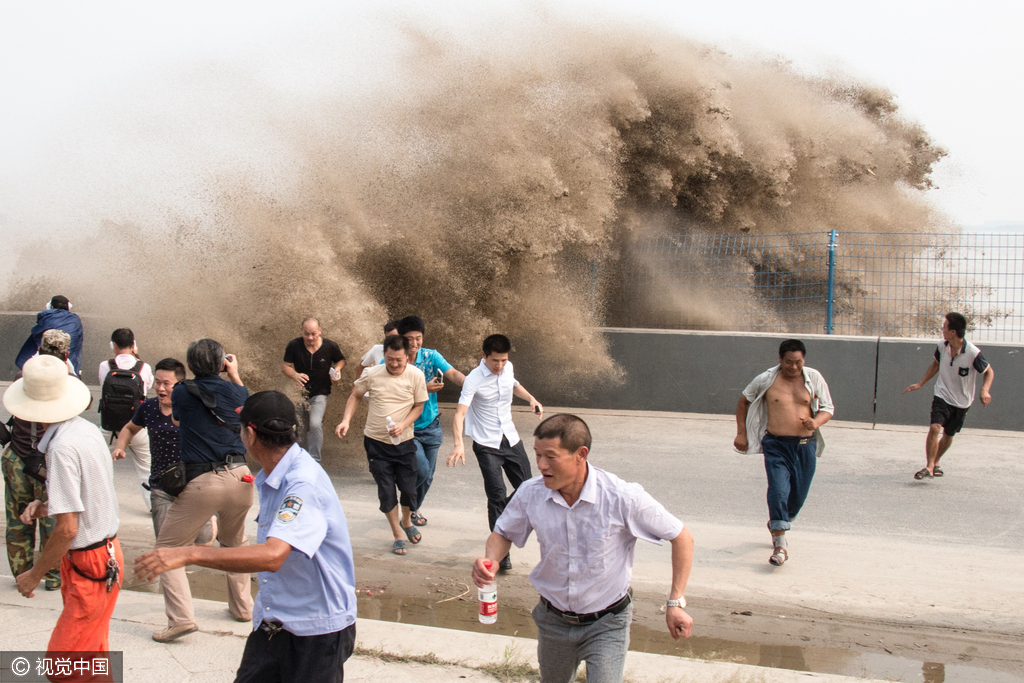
(439, 376)
(536, 409)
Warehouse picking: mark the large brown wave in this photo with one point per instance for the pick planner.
(476, 188)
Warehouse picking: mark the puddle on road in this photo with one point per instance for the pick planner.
(461, 615)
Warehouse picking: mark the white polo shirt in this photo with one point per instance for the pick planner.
(956, 382)
(586, 551)
(127, 361)
(489, 398)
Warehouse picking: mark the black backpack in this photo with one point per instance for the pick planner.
(123, 391)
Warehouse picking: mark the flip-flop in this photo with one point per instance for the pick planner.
(410, 531)
(936, 471)
(418, 519)
(779, 557)
(922, 473)
(398, 546)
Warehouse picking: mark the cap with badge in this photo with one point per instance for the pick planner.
(269, 412)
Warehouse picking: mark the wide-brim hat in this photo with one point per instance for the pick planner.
(46, 392)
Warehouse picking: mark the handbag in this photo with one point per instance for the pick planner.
(173, 480)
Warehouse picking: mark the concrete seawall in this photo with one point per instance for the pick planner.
(703, 372)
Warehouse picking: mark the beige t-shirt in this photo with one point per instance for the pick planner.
(391, 395)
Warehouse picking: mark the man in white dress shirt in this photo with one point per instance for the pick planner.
(485, 407)
(587, 522)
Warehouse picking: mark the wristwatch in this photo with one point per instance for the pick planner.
(681, 602)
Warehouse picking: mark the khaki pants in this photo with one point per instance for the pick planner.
(138, 451)
(226, 495)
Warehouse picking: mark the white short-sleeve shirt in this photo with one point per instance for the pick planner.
(80, 478)
(489, 398)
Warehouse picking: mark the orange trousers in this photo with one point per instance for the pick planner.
(84, 625)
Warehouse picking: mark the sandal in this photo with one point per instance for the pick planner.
(418, 519)
(398, 547)
(922, 473)
(779, 557)
(936, 471)
(410, 531)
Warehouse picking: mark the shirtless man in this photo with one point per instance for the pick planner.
(780, 414)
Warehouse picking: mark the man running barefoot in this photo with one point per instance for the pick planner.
(779, 414)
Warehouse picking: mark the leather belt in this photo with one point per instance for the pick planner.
(94, 546)
(580, 619)
(791, 439)
(233, 460)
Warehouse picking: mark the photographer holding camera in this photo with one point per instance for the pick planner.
(214, 479)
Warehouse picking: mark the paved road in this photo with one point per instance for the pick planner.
(871, 546)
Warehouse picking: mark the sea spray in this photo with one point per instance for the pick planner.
(474, 186)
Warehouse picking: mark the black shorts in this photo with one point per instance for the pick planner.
(950, 417)
(393, 466)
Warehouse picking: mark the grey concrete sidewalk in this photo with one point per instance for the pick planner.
(212, 655)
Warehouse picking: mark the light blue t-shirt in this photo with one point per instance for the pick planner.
(429, 361)
(313, 593)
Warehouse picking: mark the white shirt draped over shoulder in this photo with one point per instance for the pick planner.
(757, 413)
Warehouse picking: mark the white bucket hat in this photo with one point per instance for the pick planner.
(46, 392)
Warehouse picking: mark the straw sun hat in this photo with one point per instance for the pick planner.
(46, 392)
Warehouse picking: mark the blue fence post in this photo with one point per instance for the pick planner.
(833, 235)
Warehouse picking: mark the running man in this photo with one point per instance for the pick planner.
(485, 407)
(314, 363)
(958, 363)
(427, 434)
(398, 393)
(780, 414)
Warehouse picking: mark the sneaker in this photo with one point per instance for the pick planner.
(174, 632)
(506, 564)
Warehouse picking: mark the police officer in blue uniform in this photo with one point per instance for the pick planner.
(304, 617)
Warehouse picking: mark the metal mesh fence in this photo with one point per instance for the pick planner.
(890, 284)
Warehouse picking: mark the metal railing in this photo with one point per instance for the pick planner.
(889, 284)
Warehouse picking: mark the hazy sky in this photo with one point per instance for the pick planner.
(953, 66)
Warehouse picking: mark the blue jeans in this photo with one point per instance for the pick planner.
(790, 469)
(561, 646)
(428, 441)
(312, 417)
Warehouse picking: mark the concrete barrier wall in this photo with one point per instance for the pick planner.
(905, 361)
(704, 372)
